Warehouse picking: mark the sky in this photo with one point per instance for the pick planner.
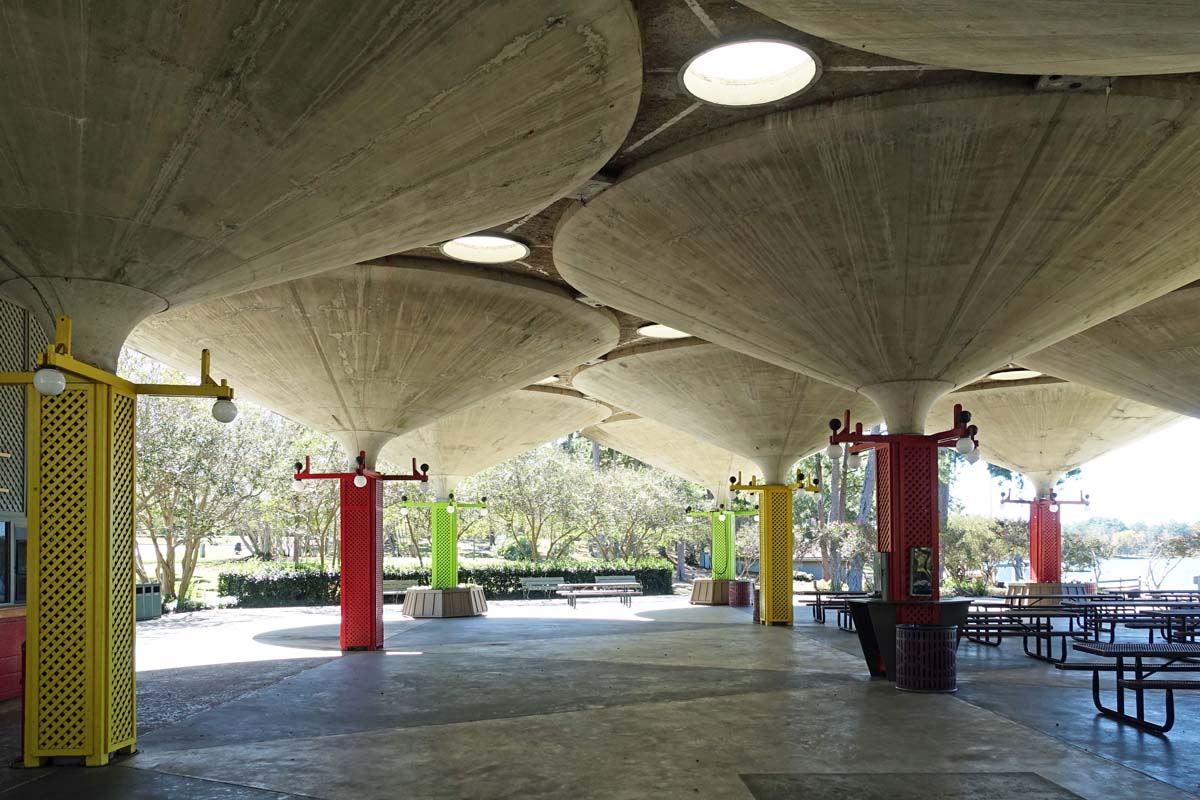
(1152, 480)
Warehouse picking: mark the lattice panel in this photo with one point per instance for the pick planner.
(723, 553)
(917, 615)
(917, 478)
(377, 534)
(1045, 549)
(444, 544)
(64, 553)
(358, 566)
(38, 342)
(775, 555)
(13, 352)
(883, 499)
(121, 589)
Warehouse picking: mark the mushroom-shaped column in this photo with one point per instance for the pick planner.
(154, 154)
(1096, 37)
(469, 441)
(698, 461)
(369, 352)
(904, 243)
(768, 415)
(1044, 428)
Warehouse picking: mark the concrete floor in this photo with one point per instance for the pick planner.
(662, 700)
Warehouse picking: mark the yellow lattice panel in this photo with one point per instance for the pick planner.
(61, 554)
(121, 696)
(775, 555)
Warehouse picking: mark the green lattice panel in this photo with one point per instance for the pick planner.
(444, 544)
(723, 553)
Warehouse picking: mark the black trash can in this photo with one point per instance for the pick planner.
(926, 658)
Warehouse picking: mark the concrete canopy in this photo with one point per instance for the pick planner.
(1044, 428)
(458, 445)
(1023, 37)
(158, 154)
(1151, 353)
(905, 243)
(768, 415)
(674, 451)
(368, 352)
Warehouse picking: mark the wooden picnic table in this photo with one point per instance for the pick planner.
(1174, 658)
(625, 590)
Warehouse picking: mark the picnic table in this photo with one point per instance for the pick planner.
(819, 607)
(1101, 616)
(1168, 658)
(625, 590)
(990, 623)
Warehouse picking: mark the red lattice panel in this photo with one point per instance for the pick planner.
(362, 566)
(917, 615)
(1045, 544)
(883, 494)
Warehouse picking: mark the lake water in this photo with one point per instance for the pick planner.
(1132, 567)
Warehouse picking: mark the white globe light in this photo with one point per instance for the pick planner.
(756, 517)
(854, 460)
(964, 445)
(1054, 508)
(224, 411)
(360, 481)
(720, 517)
(404, 511)
(973, 456)
(450, 508)
(49, 381)
(483, 511)
(834, 451)
(297, 485)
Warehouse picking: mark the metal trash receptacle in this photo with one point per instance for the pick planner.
(147, 601)
(926, 658)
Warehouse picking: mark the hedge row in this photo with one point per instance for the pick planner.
(299, 585)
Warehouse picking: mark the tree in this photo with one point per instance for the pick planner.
(196, 477)
(1014, 535)
(1086, 551)
(1175, 544)
(971, 545)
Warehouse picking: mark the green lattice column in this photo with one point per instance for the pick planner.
(724, 554)
(444, 546)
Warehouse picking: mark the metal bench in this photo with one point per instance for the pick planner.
(545, 585)
(397, 588)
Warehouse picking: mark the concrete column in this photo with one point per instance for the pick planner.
(79, 683)
(362, 564)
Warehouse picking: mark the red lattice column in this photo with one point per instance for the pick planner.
(362, 564)
(1045, 543)
(907, 509)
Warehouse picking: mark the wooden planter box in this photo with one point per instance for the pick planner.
(465, 601)
(707, 592)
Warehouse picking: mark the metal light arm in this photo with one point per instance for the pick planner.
(736, 484)
(304, 471)
(1084, 500)
(58, 355)
(861, 441)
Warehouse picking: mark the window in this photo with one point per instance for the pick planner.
(13, 562)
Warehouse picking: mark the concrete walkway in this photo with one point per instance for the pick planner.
(662, 700)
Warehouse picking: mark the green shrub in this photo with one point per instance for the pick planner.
(276, 584)
(803, 577)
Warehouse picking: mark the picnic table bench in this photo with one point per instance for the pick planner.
(989, 624)
(546, 585)
(835, 599)
(397, 588)
(610, 586)
(1174, 657)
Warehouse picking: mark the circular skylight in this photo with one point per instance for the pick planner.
(1013, 374)
(661, 332)
(749, 73)
(485, 249)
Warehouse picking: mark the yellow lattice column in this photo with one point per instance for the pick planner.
(79, 690)
(775, 555)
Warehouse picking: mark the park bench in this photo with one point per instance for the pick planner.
(396, 588)
(546, 585)
(611, 587)
(1174, 657)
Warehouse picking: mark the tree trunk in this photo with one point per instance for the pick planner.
(595, 456)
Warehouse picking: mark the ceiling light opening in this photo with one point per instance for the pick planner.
(661, 332)
(750, 73)
(1013, 374)
(485, 249)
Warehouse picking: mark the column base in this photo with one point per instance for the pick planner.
(709, 592)
(424, 602)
